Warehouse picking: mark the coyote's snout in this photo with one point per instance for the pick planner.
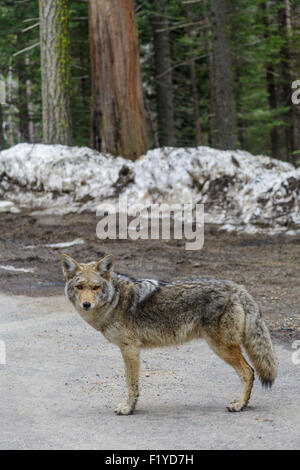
(145, 313)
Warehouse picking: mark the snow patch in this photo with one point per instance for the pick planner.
(8, 206)
(18, 270)
(77, 241)
(241, 192)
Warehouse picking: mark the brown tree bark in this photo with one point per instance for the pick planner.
(271, 88)
(210, 71)
(163, 74)
(56, 71)
(194, 85)
(226, 128)
(293, 26)
(118, 122)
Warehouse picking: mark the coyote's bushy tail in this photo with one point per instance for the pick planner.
(258, 344)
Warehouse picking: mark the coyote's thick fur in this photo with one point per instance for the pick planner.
(145, 313)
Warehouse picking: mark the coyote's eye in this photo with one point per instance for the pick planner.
(96, 287)
(79, 287)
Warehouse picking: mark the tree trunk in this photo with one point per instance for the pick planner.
(2, 141)
(56, 71)
(197, 121)
(226, 129)
(240, 122)
(293, 24)
(10, 105)
(163, 74)
(31, 132)
(118, 122)
(271, 88)
(22, 97)
(211, 78)
(286, 76)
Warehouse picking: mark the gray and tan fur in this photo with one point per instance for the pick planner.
(136, 314)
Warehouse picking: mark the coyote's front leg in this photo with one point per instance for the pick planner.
(131, 356)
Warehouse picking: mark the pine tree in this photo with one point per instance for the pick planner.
(163, 73)
(226, 131)
(56, 71)
(118, 122)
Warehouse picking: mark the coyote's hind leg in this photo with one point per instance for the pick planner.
(232, 354)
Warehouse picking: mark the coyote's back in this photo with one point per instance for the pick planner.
(136, 314)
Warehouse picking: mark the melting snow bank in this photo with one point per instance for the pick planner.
(241, 192)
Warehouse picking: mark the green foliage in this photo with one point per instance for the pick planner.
(14, 19)
(255, 47)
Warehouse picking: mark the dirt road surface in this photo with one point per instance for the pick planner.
(62, 380)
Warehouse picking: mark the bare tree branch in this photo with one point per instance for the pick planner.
(180, 26)
(30, 27)
(26, 49)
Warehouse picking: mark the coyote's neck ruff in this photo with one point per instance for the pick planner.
(145, 313)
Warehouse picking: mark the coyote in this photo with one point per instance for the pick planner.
(145, 313)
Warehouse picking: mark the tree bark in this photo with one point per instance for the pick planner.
(118, 122)
(194, 86)
(10, 105)
(293, 25)
(284, 20)
(211, 77)
(240, 122)
(31, 131)
(56, 71)
(271, 89)
(22, 99)
(163, 74)
(226, 128)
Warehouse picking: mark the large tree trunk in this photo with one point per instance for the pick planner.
(293, 26)
(240, 122)
(226, 131)
(163, 74)
(197, 121)
(118, 122)
(286, 75)
(211, 77)
(56, 71)
(271, 88)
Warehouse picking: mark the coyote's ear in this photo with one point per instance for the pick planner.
(69, 266)
(105, 266)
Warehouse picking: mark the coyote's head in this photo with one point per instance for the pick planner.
(88, 285)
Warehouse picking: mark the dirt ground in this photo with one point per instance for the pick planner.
(268, 266)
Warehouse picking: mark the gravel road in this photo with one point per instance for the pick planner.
(62, 381)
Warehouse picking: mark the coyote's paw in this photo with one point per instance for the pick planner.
(235, 406)
(124, 409)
